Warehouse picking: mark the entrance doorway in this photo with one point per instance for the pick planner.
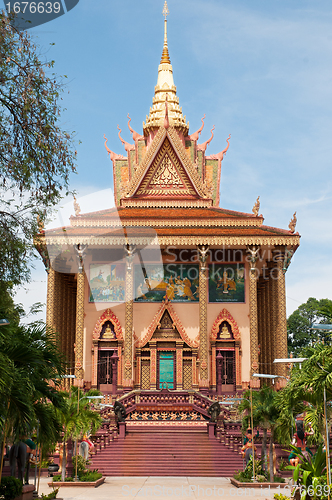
(106, 370)
(166, 370)
(225, 371)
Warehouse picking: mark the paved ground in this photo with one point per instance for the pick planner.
(163, 488)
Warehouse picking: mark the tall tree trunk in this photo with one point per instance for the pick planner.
(64, 462)
(264, 455)
(271, 456)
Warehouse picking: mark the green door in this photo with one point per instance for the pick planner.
(166, 370)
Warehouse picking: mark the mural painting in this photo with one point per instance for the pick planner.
(176, 282)
(107, 283)
(226, 283)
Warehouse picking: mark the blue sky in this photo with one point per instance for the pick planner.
(260, 70)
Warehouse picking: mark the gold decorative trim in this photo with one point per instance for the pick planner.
(108, 315)
(128, 343)
(79, 340)
(203, 339)
(165, 423)
(166, 159)
(225, 315)
(166, 203)
(177, 145)
(147, 160)
(250, 222)
(253, 316)
(175, 240)
(166, 306)
(189, 166)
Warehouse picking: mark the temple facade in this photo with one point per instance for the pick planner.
(167, 289)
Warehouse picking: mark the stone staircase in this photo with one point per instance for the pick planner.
(167, 451)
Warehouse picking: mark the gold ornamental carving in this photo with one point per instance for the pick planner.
(166, 175)
(292, 241)
(79, 337)
(108, 315)
(253, 318)
(117, 222)
(156, 147)
(225, 315)
(166, 306)
(292, 224)
(203, 335)
(255, 208)
(128, 344)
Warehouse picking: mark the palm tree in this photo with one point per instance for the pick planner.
(265, 415)
(77, 418)
(306, 388)
(31, 366)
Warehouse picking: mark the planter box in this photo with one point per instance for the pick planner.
(84, 484)
(27, 492)
(238, 484)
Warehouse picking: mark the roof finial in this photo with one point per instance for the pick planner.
(165, 55)
(165, 10)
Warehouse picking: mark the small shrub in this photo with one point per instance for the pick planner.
(91, 476)
(51, 495)
(10, 488)
(57, 477)
(260, 479)
(280, 496)
(283, 464)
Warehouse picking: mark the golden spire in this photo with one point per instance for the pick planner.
(165, 86)
(165, 55)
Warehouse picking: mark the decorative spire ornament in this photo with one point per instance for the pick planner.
(165, 85)
(165, 55)
(292, 224)
(77, 208)
(255, 208)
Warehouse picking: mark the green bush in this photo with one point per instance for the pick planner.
(51, 495)
(280, 496)
(82, 465)
(10, 488)
(90, 476)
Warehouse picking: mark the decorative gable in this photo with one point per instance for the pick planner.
(166, 173)
(166, 328)
(166, 176)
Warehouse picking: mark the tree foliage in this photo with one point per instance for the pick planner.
(298, 325)
(305, 390)
(77, 418)
(36, 154)
(266, 412)
(30, 367)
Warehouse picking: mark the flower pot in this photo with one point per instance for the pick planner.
(52, 468)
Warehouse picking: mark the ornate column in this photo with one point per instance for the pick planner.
(280, 339)
(179, 364)
(50, 298)
(195, 369)
(94, 352)
(120, 366)
(253, 251)
(79, 331)
(269, 318)
(238, 378)
(153, 364)
(138, 368)
(203, 334)
(128, 381)
(213, 365)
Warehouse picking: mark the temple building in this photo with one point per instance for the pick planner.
(167, 290)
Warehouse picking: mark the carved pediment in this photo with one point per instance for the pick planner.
(166, 176)
(166, 328)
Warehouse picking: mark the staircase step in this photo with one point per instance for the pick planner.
(160, 452)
